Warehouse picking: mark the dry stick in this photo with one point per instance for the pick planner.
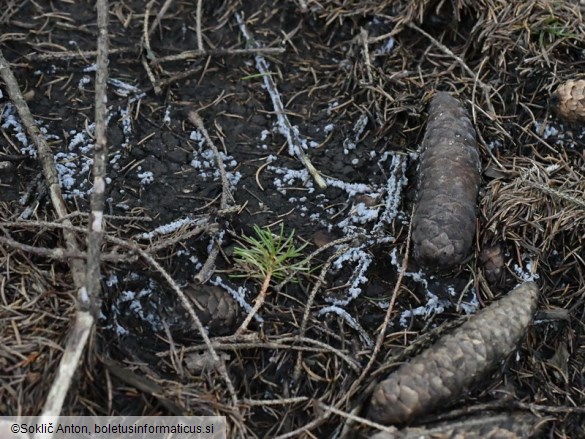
(97, 201)
(291, 133)
(485, 88)
(55, 56)
(159, 16)
(206, 271)
(198, 24)
(59, 253)
(219, 343)
(87, 297)
(193, 54)
(48, 163)
(149, 53)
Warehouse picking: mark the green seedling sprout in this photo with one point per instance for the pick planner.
(265, 258)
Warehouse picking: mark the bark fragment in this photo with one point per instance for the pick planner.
(446, 209)
(568, 100)
(445, 371)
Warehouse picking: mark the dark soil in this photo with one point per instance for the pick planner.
(362, 115)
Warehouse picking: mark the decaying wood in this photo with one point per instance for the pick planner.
(568, 100)
(458, 360)
(504, 426)
(446, 208)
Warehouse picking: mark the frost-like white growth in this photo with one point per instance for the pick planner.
(126, 125)
(146, 178)
(358, 129)
(171, 227)
(360, 214)
(396, 182)
(83, 82)
(352, 189)
(205, 161)
(289, 176)
(331, 106)
(358, 277)
(328, 128)
(123, 88)
(350, 321)
(239, 296)
(418, 276)
(66, 169)
(433, 306)
(528, 273)
(386, 47)
(11, 120)
(90, 68)
(494, 144)
(263, 135)
(548, 130)
(197, 137)
(472, 306)
(167, 115)
(552, 168)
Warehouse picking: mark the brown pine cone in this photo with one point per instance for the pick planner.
(568, 100)
(458, 360)
(443, 224)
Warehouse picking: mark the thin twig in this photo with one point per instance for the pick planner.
(198, 24)
(166, 5)
(205, 272)
(149, 53)
(188, 55)
(55, 56)
(295, 143)
(61, 254)
(225, 187)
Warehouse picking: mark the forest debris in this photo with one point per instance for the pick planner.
(458, 360)
(445, 215)
(568, 100)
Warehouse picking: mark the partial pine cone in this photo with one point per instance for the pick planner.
(516, 425)
(216, 309)
(568, 100)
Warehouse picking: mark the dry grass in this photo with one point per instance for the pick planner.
(501, 58)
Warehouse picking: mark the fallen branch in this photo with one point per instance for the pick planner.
(87, 296)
